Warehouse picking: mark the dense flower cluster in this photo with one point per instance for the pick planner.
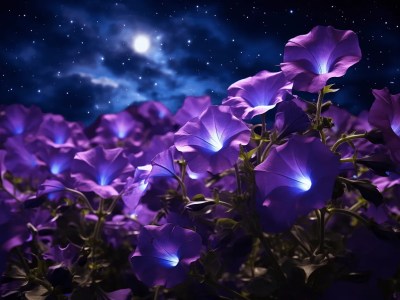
(266, 196)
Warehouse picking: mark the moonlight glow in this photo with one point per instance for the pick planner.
(141, 43)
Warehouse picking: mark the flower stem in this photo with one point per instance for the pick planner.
(351, 214)
(318, 116)
(321, 220)
(266, 150)
(346, 139)
(263, 130)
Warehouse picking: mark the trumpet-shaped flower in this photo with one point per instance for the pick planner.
(258, 94)
(164, 253)
(192, 107)
(385, 115)
(100, 171)
(211, 142)
(310, 60)
(295, 179)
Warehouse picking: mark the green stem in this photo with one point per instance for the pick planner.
(266, 150)
(349, 213)
(318, 116)
(321, 221)
(346, 139)
(273, 261)
(156, 292)
(239, 186)
(263, 130)
(347, 159)
(83, 197)
(113, 204)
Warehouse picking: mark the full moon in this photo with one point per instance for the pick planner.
(141, 43)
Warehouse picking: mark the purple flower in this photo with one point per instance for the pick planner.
(385, 115)
(115, 127)
(164, 164)
(258, 94)
(100, 171)
(295, 179)
(310, 60)
(136, 186)
(211, 142)
(192, 107)
(167, 251)
(290, 118)
(20, 120)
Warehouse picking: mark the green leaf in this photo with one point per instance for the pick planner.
(38, 293)
(328, 89)
(367, 190)
(226, 223)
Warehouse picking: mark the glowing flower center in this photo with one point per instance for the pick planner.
(103, 180)
(323, 67)
(215, 143)
(170, 260)
(55, 169)
(304, 183)
(396, 128)
(59, 139)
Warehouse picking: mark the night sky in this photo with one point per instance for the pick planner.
(79, 59)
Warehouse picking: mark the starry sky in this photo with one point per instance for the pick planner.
(82, 58)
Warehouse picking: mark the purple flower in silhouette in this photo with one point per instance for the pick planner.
(385, 115)
(167, 251)
(17, 119)
(192, 107)
(100, 171)
(310, 60)
(258, 94)
(295, 179)
(211, 142)
(290, 118)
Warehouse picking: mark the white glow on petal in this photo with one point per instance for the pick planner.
(141, 43)
(304, 183)
(171, 260)
(396, 128)
(55, 169)
(323, 67)
(215, 143)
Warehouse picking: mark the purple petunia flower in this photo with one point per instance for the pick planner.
(211, 142)
(295, 179)
(310, 60)
(258, 94)
(192, 107)
(385, 115)
(164, 253)
(100, 171)
(136, 186)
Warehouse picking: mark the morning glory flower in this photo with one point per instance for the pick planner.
(258, 94)
(100, 171)
(164, 253)
(115, 127)
(192, 107)
(295, 179)
(211, 141)
(58, 133)
(18, 120)
(385, 115)
(136, 186)
(310, 60)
